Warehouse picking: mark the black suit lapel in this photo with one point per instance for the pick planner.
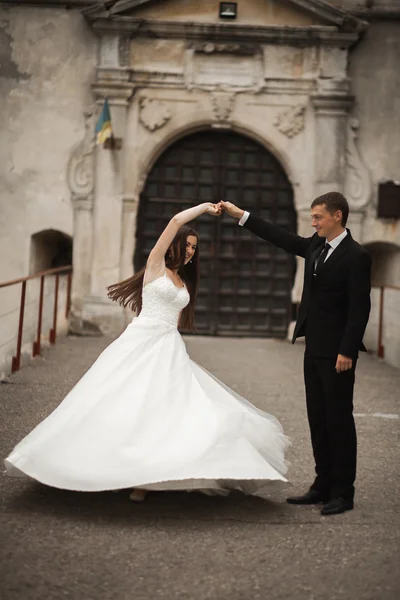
(337, 253)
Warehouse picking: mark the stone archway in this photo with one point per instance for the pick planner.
(382, 335)
(245, 283)
(50, 249)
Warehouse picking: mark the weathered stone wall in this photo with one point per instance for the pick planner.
(48, 63)
(385, 271)
(294, 96)
(375, 81)
(48, 57)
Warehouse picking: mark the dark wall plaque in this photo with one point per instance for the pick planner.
(228, 10)
(389, 200)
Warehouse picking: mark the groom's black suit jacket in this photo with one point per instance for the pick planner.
(335, 304)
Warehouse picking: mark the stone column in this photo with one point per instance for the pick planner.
(129, 210)
(112, 83)
(82, 259)
(80, 175)
(303, 229)
(331, 114)
(107, 230)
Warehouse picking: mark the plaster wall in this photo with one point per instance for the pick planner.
(48, 57)
(374, 63)
(48, 64)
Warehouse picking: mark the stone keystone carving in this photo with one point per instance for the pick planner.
(80, 170)
(357, 186)
(154, 114)
(222, 104)
(291, 121)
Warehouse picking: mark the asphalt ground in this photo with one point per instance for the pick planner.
(99, 546)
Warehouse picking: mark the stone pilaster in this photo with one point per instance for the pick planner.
(80, 176)
(129, 210)
(112, 83)
(83, 247)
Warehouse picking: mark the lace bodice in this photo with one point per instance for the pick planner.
(164, 301)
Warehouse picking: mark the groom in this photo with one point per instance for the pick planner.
(332, 316)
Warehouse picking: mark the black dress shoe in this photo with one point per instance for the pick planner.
(310, 497)
(337, 506)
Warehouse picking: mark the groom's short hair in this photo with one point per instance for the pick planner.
(334, 201)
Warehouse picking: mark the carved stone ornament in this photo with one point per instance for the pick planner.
(225, 48)
(222, 104)
(154, 114)
(357, 187)
(80, 170)
(291, 121)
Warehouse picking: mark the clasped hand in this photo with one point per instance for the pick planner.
(217, 209)
(213, 209)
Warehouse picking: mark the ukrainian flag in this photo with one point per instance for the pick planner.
(103, 126)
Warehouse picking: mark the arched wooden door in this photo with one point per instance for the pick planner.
(245, 286)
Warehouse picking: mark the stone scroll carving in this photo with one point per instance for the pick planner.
(222, 105)
(291, 121)
(154, 114)
(80, 170)
(357, 186)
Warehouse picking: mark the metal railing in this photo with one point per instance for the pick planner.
(380, 347)
(16, 360)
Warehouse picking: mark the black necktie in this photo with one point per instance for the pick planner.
(321, 258)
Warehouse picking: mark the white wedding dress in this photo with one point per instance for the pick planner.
(146, 416)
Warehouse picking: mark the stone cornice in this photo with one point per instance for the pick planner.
(318, 9)
(51, 3)
(331, 14)
(378, 13)
(113, 83)
(248, 34)
(330, 103)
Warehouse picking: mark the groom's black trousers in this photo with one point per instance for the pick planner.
(333, 434)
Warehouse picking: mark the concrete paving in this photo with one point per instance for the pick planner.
(82, 546)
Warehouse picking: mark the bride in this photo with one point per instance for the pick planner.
(145, 416)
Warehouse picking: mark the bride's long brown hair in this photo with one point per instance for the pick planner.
(128, 293)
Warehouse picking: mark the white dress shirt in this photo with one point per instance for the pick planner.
(333, 243)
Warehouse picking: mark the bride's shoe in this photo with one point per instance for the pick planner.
(138, 495)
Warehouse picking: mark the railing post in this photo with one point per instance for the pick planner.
(36, 344)
(68, 302)
(381, 348)
(16, 360)
(53, 331)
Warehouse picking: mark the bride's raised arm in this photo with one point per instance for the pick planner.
(155, 266)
